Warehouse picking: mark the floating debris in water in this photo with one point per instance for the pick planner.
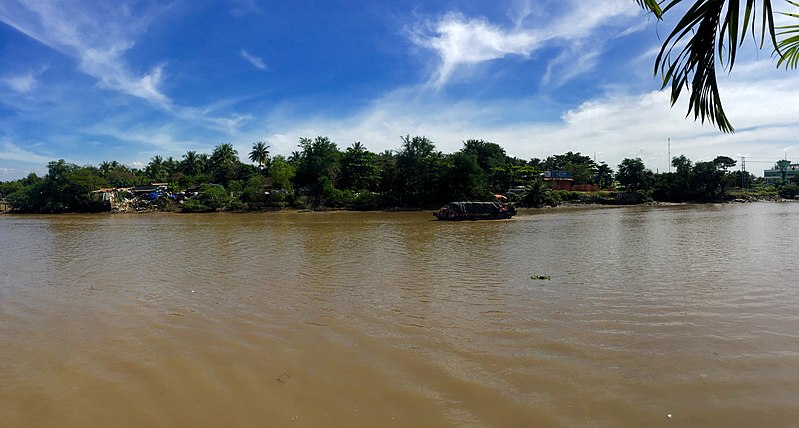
(542, 277)
(283, 377)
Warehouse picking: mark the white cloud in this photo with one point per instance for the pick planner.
(23, 83)
(254, 60)
(462, 41)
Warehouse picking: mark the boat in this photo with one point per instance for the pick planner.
(475, 211)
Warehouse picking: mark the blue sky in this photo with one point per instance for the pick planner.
(91, 81)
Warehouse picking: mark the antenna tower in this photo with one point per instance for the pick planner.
(669, 159)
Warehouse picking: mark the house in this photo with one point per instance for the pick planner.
(782, 170)
(4, 206)
(559, 180)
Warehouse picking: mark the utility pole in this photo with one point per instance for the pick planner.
(743, 172)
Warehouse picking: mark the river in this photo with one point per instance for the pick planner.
(651, 316)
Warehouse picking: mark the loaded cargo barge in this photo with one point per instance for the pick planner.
(475, 211)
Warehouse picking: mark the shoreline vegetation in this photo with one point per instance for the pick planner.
(321, 177)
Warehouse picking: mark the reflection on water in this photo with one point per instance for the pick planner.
(391, 319)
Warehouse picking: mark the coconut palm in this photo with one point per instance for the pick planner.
(190, 163)
(203, 162)
(687, 58)
(224, 163)
(223, 155)
(260, 154)
(156, 169)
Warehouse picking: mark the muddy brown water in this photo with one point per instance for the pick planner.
(392, 319)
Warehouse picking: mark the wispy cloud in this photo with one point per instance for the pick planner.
(571, 63)
(22, 83)
(13, 152)
(460, 41)
(97, 37)
(257, 62)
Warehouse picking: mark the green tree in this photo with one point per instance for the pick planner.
(203, 163)
(465, 178)
(740, 179)
(537, 193)
(604, 176)
(318, 158)
(191, 163)
(156, 170)
(706, 181)
(77, 187)
(724, 162)
(359, 170)
(172, 167)
(23, 197)
(488, 155)
(633, 175)
(118, 175)
(224, 163)
(388, 182)
(682, 182)
(687, 58)
(282, 173)
(260, 154)
(419, 169)
(224, 155)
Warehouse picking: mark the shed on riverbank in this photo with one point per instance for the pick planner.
(4, 206)
(109, 198)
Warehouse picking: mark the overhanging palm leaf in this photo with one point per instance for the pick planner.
(708, 26)
(789, 43)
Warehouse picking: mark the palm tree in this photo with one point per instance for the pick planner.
(190, 163)
(156, 170)
(224, 163)
(224, 154)
(709, 26)
(105, 168)
(260, 154)
(203, 162)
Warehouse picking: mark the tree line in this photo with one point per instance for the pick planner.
(320, 175)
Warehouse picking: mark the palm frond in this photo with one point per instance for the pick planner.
(652, 6)
(788, 46)
(710, 31)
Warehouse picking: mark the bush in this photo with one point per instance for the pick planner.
(566, 196)
(789, 192)
(365, 201)
(213, 197)
(194, 206)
